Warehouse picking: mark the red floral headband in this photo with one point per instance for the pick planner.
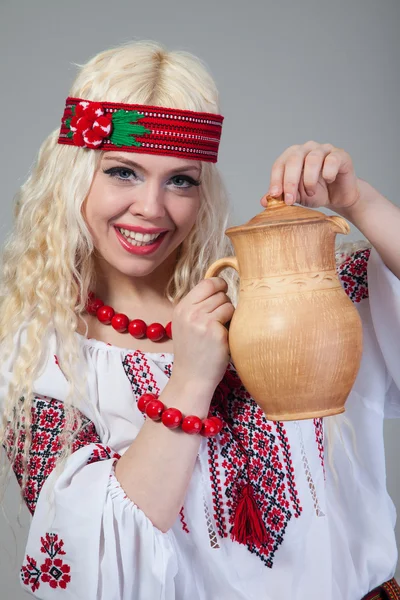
(138, 128)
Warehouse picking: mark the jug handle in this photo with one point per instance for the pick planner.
(340, 225)
(219, 265)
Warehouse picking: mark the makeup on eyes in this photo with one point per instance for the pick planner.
(116, 171)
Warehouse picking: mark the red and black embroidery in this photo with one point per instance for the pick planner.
(48, 422)
(353, 275)
(183, 521)
(216, 488)
(102, 452)
(168, 369)
(319, 437)
(52, 571)
(139, 373)
(287, 457)
(250, 448)
(142, 381)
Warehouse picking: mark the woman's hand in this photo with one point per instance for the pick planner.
(315, 175)
(201, 351)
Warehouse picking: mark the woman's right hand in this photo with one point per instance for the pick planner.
(201, 351)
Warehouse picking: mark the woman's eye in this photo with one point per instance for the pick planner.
(121, 173)
(184, 181)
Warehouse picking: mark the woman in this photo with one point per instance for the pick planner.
(114, 231)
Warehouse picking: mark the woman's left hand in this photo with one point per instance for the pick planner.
(315, 175)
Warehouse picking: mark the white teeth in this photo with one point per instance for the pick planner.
(139, 239)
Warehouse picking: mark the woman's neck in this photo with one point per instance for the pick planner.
(114, 287)
(136, 297)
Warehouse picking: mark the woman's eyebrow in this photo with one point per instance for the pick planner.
(132, 163)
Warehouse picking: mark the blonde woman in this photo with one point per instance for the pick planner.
(148, 469)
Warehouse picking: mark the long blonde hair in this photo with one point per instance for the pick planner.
(48, 262)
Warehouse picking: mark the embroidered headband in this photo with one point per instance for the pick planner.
(138, 128)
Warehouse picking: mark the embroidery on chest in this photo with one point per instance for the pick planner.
(139, 372)
(252, 451)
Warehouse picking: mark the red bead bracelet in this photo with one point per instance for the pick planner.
(172, 418)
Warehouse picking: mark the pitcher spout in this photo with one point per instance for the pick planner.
(339, 225)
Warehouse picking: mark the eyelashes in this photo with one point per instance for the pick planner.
(118, 172)
(124, 174)
(187, 179)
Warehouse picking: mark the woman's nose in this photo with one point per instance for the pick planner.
(149, 202)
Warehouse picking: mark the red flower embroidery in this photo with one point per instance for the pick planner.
(49, 419)
(353, 275)
(41, 441)
(30, 574)
(47, 425)
(102, 453)
(53, 571)
(276, 519)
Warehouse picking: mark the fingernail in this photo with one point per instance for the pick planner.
(288, 198)
(274, 191)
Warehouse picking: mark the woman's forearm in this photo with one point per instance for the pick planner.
(379, 220)
(156, 469)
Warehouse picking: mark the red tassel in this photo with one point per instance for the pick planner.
(248, 526)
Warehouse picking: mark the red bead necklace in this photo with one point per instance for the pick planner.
(121, 323)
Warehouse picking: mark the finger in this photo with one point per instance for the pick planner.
(276, 183)
(337, 161)
(292, 174)
(313, 165)
(223, 313)
(213, 302)
(206, 288)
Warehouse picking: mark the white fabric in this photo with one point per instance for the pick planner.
(341, 551)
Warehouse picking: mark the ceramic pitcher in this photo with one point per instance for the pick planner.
(295, 337)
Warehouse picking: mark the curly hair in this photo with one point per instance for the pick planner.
(48, 260)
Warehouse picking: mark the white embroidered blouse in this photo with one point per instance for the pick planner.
(330, 533)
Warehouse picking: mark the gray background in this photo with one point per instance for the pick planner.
(288, 72)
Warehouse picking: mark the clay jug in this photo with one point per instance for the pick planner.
(295, 337)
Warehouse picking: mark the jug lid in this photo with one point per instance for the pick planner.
(279, 213)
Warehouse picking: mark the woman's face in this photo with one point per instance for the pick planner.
(140, 208)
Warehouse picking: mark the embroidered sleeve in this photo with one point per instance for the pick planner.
(48, 421)
(353, 275)
(85, 534)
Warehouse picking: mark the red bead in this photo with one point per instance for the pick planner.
(155, 332)
(192, 424)
(168, 330)
(120, 322)
(137, 328)
(211, 427)
(218, 421)
(144, 400)
(93, 306)
(172, 418)
(105, 314)
(154, 409)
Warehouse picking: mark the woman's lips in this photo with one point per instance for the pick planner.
(140, 250)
